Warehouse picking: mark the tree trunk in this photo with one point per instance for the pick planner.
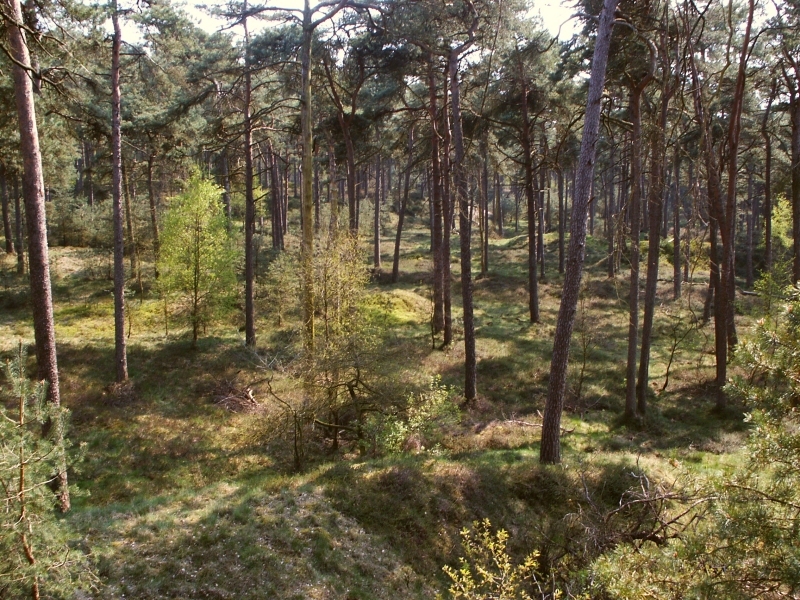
(401, 213)
(465, 226)
(7, 231)
(307, 199)
(128, 193)
(435, 191)
(120, 349)
(656, 202)
(33, 191)
(226, 185)
(751, 222)
(676, 228)
(768, 181)
(18, 226)
(249, 201)
(550, 450)
(561, 212)
(530, 197)
(447, 219)
(151, 196)
(376, 224)
(635, 224)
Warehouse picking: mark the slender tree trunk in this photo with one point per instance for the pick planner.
(307, 200)
(561, 215)
(226, 184)
(249, 202)
(33, 191)
(540, 217)
(401, 214)
(435, 191)
(768, 181)
(676, 228)
(465, 226)
(610, 215)
(151, 196)
(656, 195)
(7, 231)
(530, 197)
(795, 188)
(447, 218)
(18, 226)
(120, 352)
(128, 192)
(376, 225)
(751, 221)
(635, 220)
(550, 450)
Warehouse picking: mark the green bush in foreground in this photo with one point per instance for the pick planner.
(747, 545)
(35, 559)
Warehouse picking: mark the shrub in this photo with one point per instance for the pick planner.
(35, 558)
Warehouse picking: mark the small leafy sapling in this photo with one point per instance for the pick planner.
(197, 259)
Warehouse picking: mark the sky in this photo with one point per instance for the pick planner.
(554, 15)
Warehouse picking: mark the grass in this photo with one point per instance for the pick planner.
(186, 499)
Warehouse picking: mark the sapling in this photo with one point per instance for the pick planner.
(35, 560)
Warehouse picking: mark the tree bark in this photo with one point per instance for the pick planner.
(465, 227)
(33, 192)
(530, 197)
(151, 196)
(120, 349)
(249, 201)
(376, 223)
(550, 450)
(435, 191)
(401, 214)
(676, 228)
(7, 231)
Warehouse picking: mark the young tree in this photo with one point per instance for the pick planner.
(197, 260)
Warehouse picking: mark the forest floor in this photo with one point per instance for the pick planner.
(184, 498)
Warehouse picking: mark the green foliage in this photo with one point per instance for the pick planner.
(418, 424)
(197, 259)
(487, 570)
(745, 545)
(34, 554)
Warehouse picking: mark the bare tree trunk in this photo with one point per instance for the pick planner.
(561, 213)
(550, 450)
(120, 349)
(437, 216)
(376, 224)
(751, 221)
(656, 195)
(33, 191)
(18, 226)
(249, 201)
(676, 228)
(401, 214)
(768, 180)
(470, 357)
(530, 197)
(307, 199)
(9, 236)
(447, 219)
(226, 185)
(635, 224)
(540, 216)
(151, 196)
(610, 214)
(129, 192)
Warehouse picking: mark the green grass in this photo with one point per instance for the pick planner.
(187, 499)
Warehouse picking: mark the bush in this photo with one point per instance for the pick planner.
(35, 558)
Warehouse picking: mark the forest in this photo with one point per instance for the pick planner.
(372, 299)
